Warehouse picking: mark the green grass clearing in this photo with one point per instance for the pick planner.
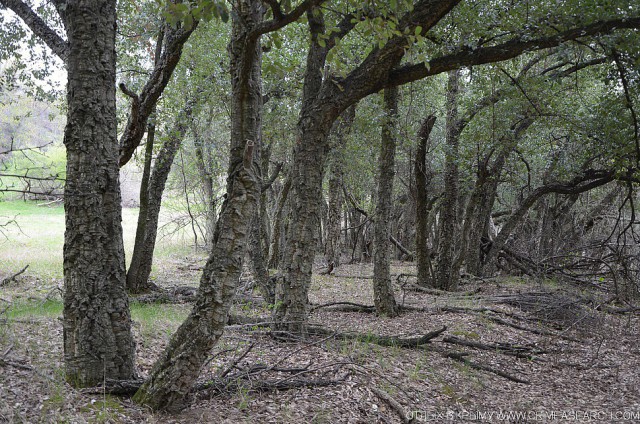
(37, 237)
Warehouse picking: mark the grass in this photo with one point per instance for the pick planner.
(36, 235)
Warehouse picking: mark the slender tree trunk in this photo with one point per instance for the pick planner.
(98, 343)
(446, 278)
(278, 225)
(336, 175)
(383, 297)
(206, 180)
(423, 178)
(142, 258)
(174, 374)
(133, 285)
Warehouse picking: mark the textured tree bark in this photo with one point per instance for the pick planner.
(98, 343)
(174, 374)
(142, 257)
(446, 278)
(423, 179)
(383, 296)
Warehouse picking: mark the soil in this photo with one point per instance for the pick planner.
(576, 362)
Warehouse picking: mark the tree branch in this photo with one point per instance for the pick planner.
(503, 51)
(51, 38)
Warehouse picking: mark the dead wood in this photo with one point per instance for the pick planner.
(460, 357)
(12, 277)
(504, 348)
(405, 342)
(345, 307)
(215, 387)
(393, 404)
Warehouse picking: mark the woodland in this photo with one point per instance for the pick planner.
(343, 211)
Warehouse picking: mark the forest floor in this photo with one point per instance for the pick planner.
(514, 350)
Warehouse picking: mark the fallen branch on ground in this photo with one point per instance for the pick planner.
(406, 342)
(460, 357)
(13, 277)
(504, 348)
(393, 404)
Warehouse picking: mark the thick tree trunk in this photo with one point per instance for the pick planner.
(446, 278)
(174, 374)
(423, 179)
(383, 297)
(98, 343)
(142, 257)
(292, 290)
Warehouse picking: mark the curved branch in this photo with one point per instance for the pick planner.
(504, 51)
(56, 43)
(174, 40)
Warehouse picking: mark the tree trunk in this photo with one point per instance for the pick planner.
(142, 257)
(174, 374)
(206, 180)
(336, 200)
(446, 278)
(278, 225)
(423, 179)
(383, 297)
(98, 343)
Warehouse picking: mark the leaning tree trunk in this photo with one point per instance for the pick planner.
(423, 178)
(174, 374)
(142, 257)
(446, 278)
(98, 343)
(383, 297)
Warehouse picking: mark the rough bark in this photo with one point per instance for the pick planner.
(423, 179)
(98, 342)
(383, 297)
(446, 276)
(174, 374)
